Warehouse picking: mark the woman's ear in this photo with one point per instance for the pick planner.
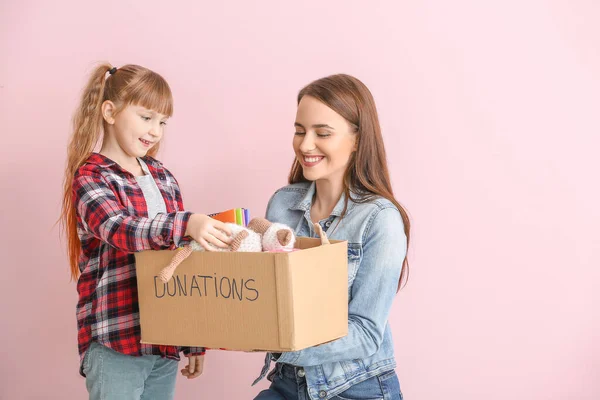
(108, 112)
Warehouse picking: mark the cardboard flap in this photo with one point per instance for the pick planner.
(308, 243)
(320, 297)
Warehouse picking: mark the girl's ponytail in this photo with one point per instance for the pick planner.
(87, 131)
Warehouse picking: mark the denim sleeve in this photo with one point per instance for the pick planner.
(373, 291)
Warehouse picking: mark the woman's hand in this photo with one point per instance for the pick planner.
(204, 230)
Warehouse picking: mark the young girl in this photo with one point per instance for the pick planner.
(340, 180)
(116, 202)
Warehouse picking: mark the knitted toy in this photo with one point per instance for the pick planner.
(322, 235)
(276, 237)
(242, 239)
(260, 235)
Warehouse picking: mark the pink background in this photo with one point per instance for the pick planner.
(490, 115)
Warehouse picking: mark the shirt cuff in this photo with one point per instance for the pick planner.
(179, 228)
(193, 351)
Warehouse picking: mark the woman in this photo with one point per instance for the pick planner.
(340, 180)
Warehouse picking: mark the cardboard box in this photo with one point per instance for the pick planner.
(246, 301)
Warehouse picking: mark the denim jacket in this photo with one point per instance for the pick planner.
(376, 251)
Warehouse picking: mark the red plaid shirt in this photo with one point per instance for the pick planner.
(113, 223)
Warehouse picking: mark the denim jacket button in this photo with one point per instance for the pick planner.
(301, 373)
(322, 394)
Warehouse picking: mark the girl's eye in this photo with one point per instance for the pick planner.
(323, 135)
(299, 133)
(163, 123)
(145, 118)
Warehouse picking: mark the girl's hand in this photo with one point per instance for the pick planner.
(194, 368)
(204, 230)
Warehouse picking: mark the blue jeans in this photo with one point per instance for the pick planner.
(112, 375)
(288, 383)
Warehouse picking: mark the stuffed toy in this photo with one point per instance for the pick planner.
(260, 235)
(242, 239)
(322, 235)
(275, 237)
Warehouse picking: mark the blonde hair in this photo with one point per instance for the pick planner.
(129, 84)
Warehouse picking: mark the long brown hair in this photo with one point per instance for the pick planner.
(367, 174)
(129, 84)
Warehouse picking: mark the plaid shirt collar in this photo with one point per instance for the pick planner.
(105, 162)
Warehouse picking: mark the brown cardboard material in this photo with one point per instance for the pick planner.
(246, 301)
